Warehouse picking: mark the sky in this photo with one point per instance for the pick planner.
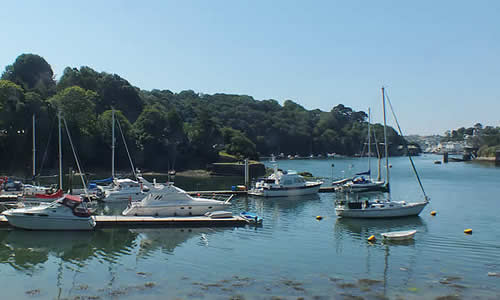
(439, 60)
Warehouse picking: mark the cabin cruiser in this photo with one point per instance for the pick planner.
(66, 213)
(169, 200)
(284, 183)
(123, 190)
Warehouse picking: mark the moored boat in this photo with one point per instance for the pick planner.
(399, 235)
(66, 213)
(284, 183)
(169, 200)
(381, 207)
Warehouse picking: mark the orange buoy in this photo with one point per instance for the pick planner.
(468, 231)
(372, 238)
(319, 218)
(433, 213)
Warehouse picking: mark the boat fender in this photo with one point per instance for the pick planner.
(372, 239)
(468, 231)
(319, 218)
(433, 213)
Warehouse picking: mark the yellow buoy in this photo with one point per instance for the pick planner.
(433, 213)
(319, 217)
(468, 231)
(372, 238)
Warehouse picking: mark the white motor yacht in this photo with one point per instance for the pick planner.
(123, 190)
(284, 183)
(66, 213)
(169, 200)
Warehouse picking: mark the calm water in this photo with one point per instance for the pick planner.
(291, 255)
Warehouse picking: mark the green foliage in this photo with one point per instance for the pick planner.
(33, 73)
(488, 151)
(236, 143)
(165, 130)
(77, 106)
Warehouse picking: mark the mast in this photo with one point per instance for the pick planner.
(386, 146)
(34, 150)
(369, 144)
(112, 142)
(60, 153)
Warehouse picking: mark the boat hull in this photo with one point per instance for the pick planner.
(285, 192)
(174, 210)
(399, 235)
(411, 209)
(50, 223)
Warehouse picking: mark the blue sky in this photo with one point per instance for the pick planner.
(440, 60)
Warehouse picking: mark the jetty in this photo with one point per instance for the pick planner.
(323, 189)
(146, 221)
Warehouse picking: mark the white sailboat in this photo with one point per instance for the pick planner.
(66, 213)
(33, 192)
(382, 208)
(363, 182)
(121, 189)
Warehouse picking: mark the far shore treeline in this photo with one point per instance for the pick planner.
(163, 130)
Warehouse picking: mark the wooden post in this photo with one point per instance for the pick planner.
(445, 157)
(246, 173)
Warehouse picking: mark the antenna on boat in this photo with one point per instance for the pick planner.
(112, 142)
(386, 145)
(34, 151)
(76, 158)
(60, 152)
(369, 144)
(408, 150)
(136, 174)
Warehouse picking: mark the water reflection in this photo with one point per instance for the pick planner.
(167, 239)
(24, 250)
(283, 203)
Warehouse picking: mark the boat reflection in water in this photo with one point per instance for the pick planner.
(24, 250)
(167, 239)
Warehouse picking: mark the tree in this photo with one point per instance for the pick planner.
(32, 72)
(78, 108)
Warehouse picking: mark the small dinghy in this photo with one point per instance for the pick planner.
(219, 214)
(251, 217)
(399, 235)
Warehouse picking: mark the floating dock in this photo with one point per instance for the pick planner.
(323, 189)
(138, 222)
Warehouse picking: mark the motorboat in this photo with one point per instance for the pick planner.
(124, 190)
(284, 183)
(251, 217)
(380, 207)
(169, 200)
(66, 213)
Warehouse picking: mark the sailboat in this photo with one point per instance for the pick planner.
(67, 212)
(41, 193)
(121, 189)
(363, 182)
(382, 208)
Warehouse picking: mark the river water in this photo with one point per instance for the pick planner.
(291, 256)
